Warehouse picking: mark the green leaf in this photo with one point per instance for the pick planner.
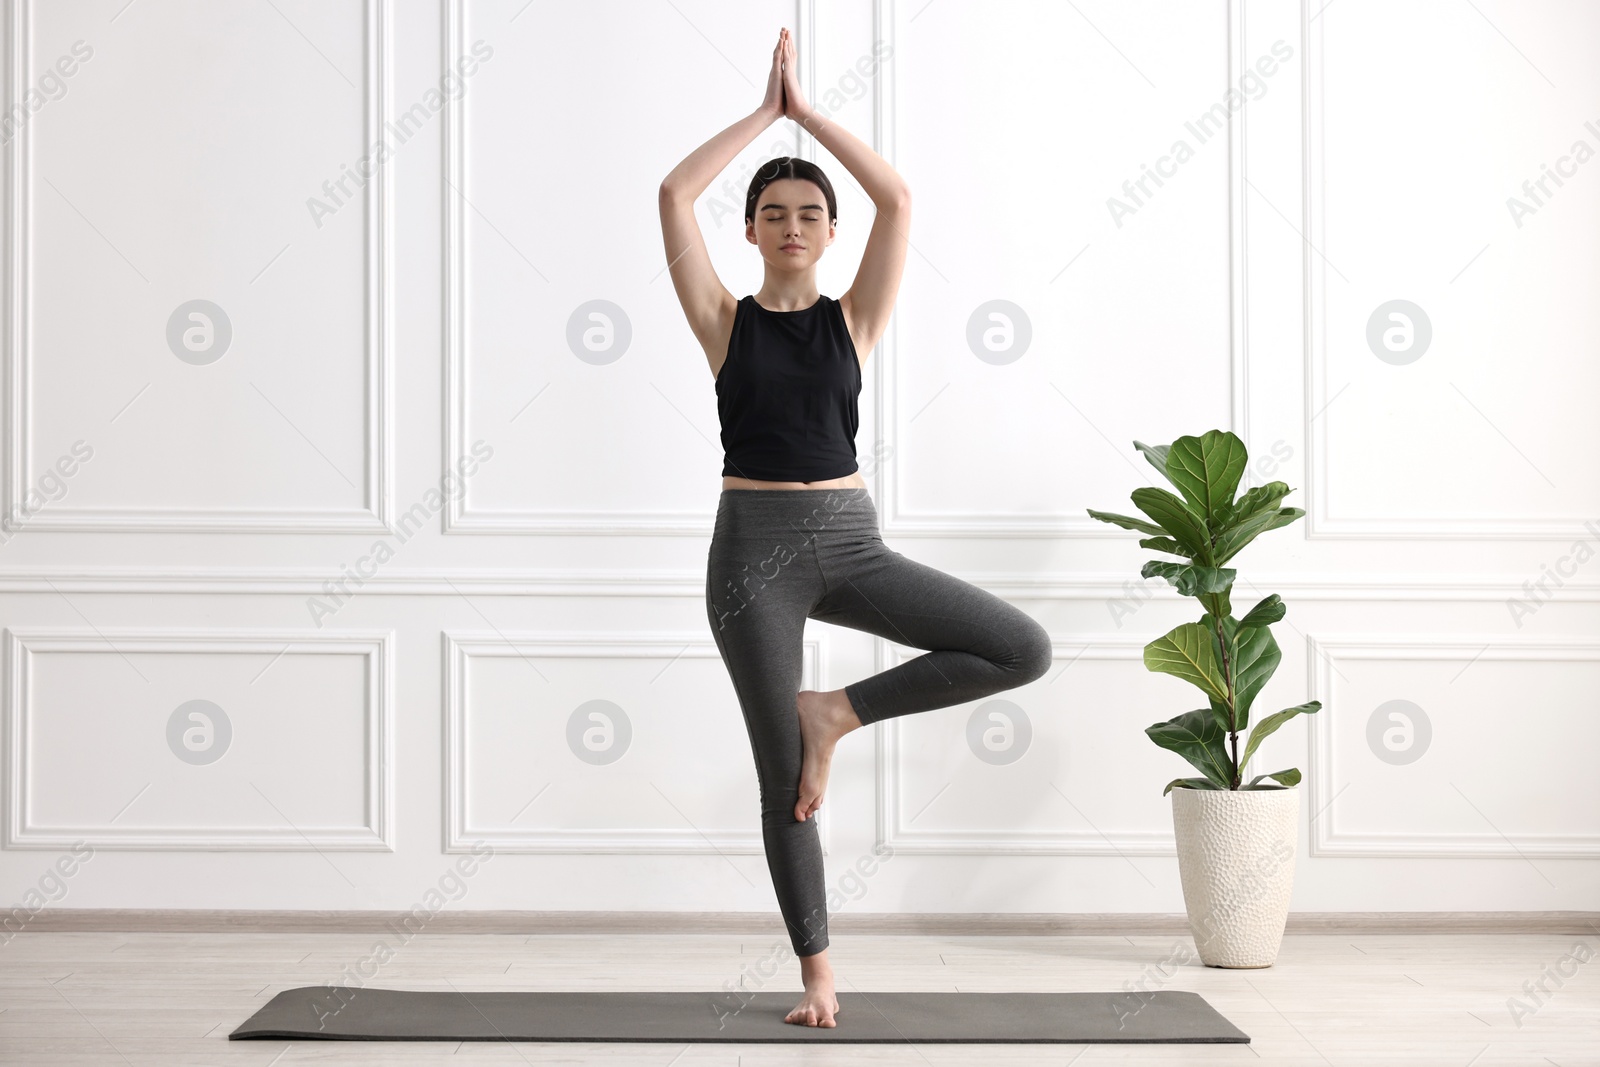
(1187, 653)
(1126, 522)
(1232, 541)
(1206, 470)
(1288, 778)
(1195, 736)
(1190, 783)
(1219, 710)
(1208, 584)
(1176, 518)
(1162, 544)
(1238, 535)
(1192, 579)
(1271, 723)
(1285, 517)
(1156, 454)
(1265, 613)
(1253, 659)
(1261, 498)
(1218, 605)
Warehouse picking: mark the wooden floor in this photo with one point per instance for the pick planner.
(1331, 999)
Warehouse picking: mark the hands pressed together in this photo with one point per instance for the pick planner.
(784, 99)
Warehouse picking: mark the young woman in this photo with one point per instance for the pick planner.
(796, 534)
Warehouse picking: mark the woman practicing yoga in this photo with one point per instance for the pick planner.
(796, 534)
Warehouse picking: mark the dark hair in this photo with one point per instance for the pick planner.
(789, 167)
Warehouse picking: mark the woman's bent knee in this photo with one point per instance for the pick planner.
(1032, 650)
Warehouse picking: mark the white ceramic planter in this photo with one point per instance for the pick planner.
(1236, 852)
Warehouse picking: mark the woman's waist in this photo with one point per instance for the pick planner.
(853, 480)
(765, 512)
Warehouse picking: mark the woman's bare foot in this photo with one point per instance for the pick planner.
(817, 1008)
(819, 1005)
(824, 718)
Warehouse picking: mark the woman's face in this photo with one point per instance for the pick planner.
(791, 226)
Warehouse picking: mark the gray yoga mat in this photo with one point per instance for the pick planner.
(365, 1014)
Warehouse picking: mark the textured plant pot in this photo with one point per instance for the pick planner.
(1236, 852)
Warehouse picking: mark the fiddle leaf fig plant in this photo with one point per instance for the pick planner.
(1227, 659)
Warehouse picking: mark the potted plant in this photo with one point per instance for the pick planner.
(1236, 839)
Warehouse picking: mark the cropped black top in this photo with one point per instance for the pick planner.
(786, 394)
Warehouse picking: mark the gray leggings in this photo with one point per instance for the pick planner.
(781, 556)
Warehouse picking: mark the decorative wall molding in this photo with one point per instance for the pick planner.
(896, 520)
(1323, 771)
(459, 516)
(460, 647)
(375, 646)
(378, 471)
(1319, 523)
(894, 829)
(522, 581)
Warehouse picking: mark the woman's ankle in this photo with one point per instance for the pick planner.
(815, 966)
(846, 712)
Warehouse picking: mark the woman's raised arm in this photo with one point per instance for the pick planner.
(869, 301)
(691, 177)
(706, 301)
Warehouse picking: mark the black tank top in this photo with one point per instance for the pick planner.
(786, 394)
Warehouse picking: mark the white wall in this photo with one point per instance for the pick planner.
(431, 321)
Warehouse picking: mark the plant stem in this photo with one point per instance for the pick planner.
(1227, 674)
